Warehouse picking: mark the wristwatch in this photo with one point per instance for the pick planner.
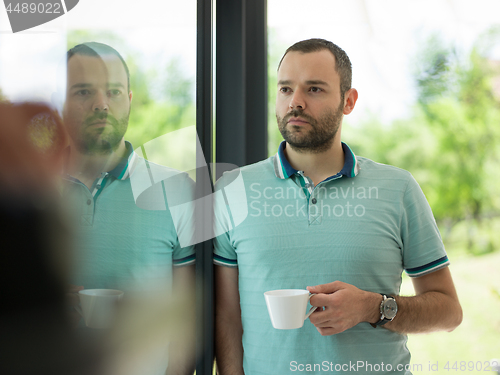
(388, 310)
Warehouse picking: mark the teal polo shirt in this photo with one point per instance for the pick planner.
(119, 244)
(362, 226)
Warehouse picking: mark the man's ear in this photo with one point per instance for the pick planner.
(130, 96)
(350, 98)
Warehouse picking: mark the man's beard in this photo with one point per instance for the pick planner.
(315, 140)
(101, 140)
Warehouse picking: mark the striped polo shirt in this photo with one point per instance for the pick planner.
(119, 243)
(362, 226)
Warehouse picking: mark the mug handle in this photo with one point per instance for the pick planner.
(312, 309)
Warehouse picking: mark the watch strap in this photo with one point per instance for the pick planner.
(383, 320)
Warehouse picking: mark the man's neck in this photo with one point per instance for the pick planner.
(317, 166)
(87, 168)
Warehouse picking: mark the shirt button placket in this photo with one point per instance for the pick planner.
(314, 211)
(87, 216)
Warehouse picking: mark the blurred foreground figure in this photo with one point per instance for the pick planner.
(35, 334)
(120, 244)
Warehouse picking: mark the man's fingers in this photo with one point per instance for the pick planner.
(19, 123)
(328, 331)
(326, 288)
(321, 300)
(75, 288)
(320, 317)
(327, 324)
(72, 296)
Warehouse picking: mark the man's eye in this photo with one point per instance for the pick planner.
(284, 89)
(114, 92)
(316, 89)
(83, 92)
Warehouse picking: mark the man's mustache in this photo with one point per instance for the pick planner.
(300, 114)
(99, 118)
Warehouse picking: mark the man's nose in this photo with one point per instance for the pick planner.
(297, 101)
(100, 102)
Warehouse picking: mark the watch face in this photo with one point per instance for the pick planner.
(390, 308)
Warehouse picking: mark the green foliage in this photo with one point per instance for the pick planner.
(476, 339)
(176, 87)
(450, 143)
(157, 118)
(434, 70)
(457, 99)
(275, 52)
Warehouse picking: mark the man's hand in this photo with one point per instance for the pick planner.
(435, 307)
(27, 164)
(73, 300)
(342, 306)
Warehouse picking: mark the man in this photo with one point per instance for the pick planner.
(119, 245)
(340, 225)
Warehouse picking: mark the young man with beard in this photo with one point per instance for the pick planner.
(342, 226)
(119, 244)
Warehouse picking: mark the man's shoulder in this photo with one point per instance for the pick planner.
(368, 165)
(263, 166)
(258, 171)
(139, 167)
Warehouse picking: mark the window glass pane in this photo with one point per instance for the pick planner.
(428, 75)
(128, 181)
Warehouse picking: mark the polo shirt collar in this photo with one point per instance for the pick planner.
(284, 170)
(121, 171)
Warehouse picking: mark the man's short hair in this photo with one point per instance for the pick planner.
(96, 49)
(342, 66)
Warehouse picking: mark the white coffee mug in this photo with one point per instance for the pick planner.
(98, 306)
(287, 307)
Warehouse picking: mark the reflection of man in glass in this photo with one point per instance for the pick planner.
(119, 245)
(98, 103)
(343, 226)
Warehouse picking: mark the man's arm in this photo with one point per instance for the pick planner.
(435, 307)
(228, 328)
(182, 353)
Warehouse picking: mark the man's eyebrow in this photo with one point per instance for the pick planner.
(317, 82)
(87, 85)
(118, 84)
(80, 86)
(310, 82)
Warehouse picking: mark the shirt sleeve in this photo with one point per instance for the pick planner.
(224, 251)
(179, 192)
(423, 249)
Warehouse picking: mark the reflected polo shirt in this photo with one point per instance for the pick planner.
(362, 226)
(118, 244)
